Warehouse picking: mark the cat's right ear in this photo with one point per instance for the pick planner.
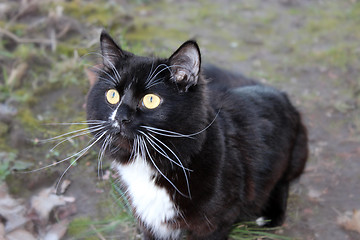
(110, 51)
(185, 65)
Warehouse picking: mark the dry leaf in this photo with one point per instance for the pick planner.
(16, 74)
(350, 221)
(64, 186)
(20, 234)
(57, 231)
(315, 195)
(2, 231)
(12, 210)
(46, 200)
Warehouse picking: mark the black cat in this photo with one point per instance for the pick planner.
(196, 149)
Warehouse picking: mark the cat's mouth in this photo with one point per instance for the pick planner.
(122, 138)
(123, 143)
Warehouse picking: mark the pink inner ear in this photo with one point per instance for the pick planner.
(180, 75)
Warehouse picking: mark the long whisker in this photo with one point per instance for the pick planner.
(89, 122)
(78, 157)
(69, 133)
(166, 67)
(67, 158)
(211, 123)
(106, 79)
(101, 153)
(134, 149)
(149, 82)
(150, 77)
(68, 139)
(156, 167)
(151, 72)
(113, 80)
(162, 152)
(166, 133)
(77, 135)
(112, 65)
(179, 161)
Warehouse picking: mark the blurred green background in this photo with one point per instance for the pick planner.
(308, 48)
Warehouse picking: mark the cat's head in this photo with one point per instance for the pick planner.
(145, 104)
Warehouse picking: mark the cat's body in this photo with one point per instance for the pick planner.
(217, 148)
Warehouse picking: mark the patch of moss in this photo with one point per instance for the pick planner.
(80, 227)
(28, 120)
(96, 12)
(354, 12)
(24, 51)
(3, 128)
(65, 49)
(141, 33)
(17, 28)
(338, 56)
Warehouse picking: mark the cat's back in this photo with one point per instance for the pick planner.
(259, 105)
(223, 80)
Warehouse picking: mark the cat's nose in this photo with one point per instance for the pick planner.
(124, 119)
(123, 115)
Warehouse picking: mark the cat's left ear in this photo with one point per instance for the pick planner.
(185, 65)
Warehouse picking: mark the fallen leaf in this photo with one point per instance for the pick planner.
(350, 221)
(46, 200)
(20, 234)
(57, 231)
(17, 74)
(2, 231)
(106, 176)
(64, 186)
(11, 210)
(315, 195)
(63, 212)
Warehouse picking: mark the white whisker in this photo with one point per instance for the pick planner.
(161, 151)
(68, 139)
(149, 81)
(164, 132)
(67, 158)
(69, 133)
(168, 133)
(179, 161)
(113, 80)
(156, 167)
(102, 152)
(91, 122)
(79, 155)
(77, 135)
(115, 71)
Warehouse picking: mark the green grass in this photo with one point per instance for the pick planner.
(250, 231)
(86, 228)
(120, 218)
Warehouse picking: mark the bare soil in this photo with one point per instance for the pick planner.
(310, 49)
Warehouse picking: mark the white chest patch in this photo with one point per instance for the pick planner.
(152, 204)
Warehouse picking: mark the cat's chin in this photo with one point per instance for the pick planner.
(123, 143)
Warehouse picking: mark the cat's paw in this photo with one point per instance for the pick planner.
(261, 221)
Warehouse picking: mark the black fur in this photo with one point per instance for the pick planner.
(250, 144)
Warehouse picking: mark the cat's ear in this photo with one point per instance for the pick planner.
(185, 65)
(110, 51)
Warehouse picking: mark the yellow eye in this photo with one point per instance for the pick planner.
(151, 101)
(112, 96)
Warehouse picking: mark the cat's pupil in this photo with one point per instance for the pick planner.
(151, 99)
(113, 95)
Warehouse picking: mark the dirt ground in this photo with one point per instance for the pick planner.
(309, 49)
